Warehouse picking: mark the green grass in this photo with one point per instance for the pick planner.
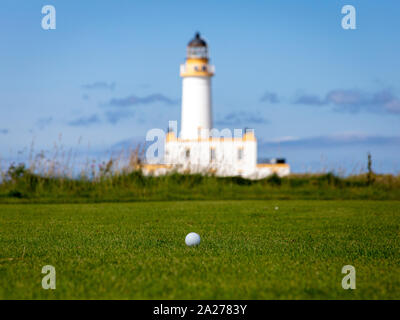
(19, 185)
(248, 250)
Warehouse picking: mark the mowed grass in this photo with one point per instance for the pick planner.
(249, 250)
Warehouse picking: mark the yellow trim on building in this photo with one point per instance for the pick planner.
(152, 167)
(196, 60)
(272, 165)
(249, 136)
(197, 67)
(170, 136)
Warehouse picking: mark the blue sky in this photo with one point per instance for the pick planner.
(317, 94)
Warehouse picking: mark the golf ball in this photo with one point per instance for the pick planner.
(192, 239)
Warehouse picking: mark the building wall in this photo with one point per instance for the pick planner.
(265, 170)
(219, 155)
(196, 156)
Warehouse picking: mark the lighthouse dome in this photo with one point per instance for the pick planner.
(197, 41)
(197, 48)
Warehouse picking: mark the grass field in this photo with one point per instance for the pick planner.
(20, 184)
(249, 250)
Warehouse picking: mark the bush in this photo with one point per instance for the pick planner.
(274, 180)
(15, 194)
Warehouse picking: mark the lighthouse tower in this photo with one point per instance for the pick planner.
(197, 149)
(196, 117)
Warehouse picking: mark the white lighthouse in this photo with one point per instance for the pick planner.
(199, 148)
(196, 118)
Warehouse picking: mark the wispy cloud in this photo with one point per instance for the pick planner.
(114, 117)
(44, 122)
(130, 143)
(335, 140)
(4, 131)
(281, 140)
(353, 100)
(270, 97)
(85, 121)
(237, 118)
(133, 100)
(99, 85)
(309, 99)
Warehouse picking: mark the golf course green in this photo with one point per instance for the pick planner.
(276, 249)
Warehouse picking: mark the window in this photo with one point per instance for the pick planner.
(212, 154)
(240, 153)
(187, 153)
(204, 68)
(196, 68)
(197, 52)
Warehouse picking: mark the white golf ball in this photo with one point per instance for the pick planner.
(192, 239)
(276, 208)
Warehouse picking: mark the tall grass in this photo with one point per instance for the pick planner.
(55, 179)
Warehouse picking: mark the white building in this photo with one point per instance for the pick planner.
(199, 148)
